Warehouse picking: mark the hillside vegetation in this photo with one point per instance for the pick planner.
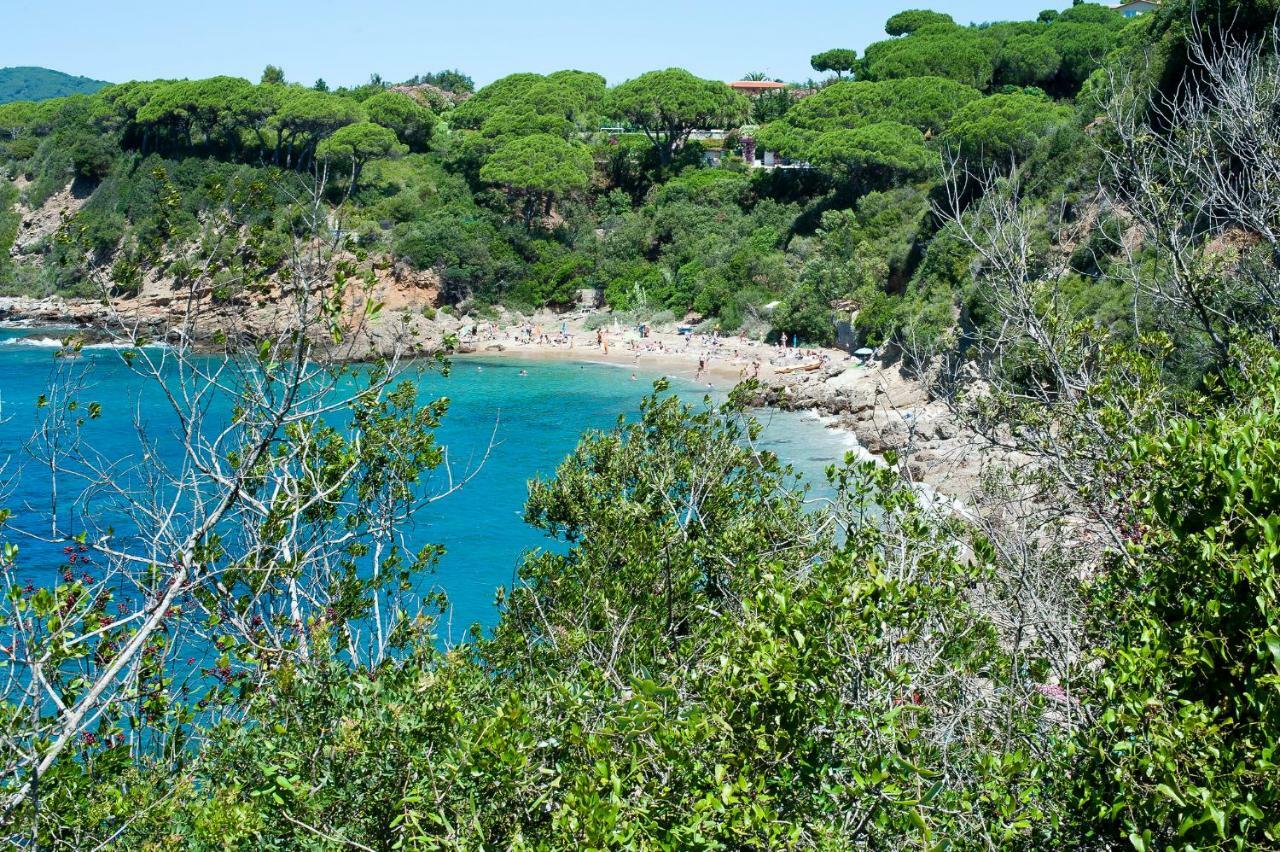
(40, 84)
(514, 196)
(1069, 228)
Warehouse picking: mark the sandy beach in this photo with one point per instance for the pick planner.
(714, 358)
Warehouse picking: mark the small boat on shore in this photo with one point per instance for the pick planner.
(799, 368)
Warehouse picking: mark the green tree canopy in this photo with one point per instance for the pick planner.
(449, 80)
(541, 167)
(220, 107)
(1192, 664)
(1092, 13)
(560, 102)
(411, 121)
(1027, 60)
(938, 50)
(1082, 46)
(874, 155)
(669, 105)
(905, 23)
(26, 117)
(1003, 127)
(272, 75)
(925, 103)
(357, 144)
(305, 116)
(838, 60)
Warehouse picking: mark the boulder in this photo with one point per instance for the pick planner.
(895, 435)
(869, 437)
(861, 400)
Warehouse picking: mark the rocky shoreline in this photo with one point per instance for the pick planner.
(890, 412)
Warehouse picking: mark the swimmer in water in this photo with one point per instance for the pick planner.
(524, 372)
(633, 377)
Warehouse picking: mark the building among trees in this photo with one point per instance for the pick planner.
(1134, 8)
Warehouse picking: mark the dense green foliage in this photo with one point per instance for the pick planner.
(41, 84)
(701, 657)
(1186, 748)
(840, 60)
(668, 105)
(539, 168)
(527, 149)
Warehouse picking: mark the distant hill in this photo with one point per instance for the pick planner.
(38, 84)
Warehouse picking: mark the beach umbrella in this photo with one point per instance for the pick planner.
(864, 352)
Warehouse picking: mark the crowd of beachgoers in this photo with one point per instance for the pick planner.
(708, 355)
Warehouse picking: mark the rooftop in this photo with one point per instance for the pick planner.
(757, 84)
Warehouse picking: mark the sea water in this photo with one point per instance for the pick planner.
(528, 414)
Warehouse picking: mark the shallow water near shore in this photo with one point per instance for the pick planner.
(535, 420)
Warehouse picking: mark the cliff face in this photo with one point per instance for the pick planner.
(38, 224)
(164, 306)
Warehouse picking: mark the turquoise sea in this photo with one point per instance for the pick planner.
(538, 419)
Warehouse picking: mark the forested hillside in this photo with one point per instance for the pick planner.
(1068, 229)
(41, 84)
(516, 196)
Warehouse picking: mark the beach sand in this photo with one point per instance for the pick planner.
(713, 358)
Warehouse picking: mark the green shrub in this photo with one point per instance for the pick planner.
(1183, 751)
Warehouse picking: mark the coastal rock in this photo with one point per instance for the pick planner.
(869, 437)
(861, 400)
(837, 403)
(895, 435)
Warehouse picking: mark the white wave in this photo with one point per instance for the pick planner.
(42, 342)
(59, 343)
(123, 345)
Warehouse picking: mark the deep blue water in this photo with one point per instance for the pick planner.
(539, 416)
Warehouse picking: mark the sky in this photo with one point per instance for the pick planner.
(345, 42)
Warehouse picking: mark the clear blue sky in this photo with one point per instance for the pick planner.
(345, 42)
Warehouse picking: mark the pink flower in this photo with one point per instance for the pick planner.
(1052, 691)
